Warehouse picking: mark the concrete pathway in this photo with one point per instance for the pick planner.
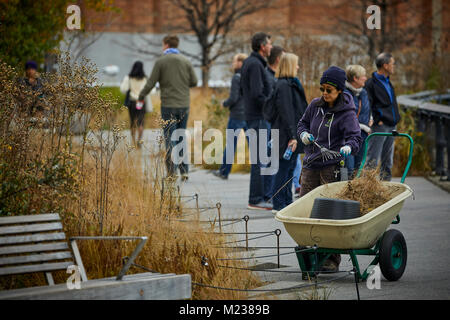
(425, 223)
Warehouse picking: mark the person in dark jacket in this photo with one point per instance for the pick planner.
(290, 104)
(356, 76)
(236, 121)
(255, 90)
(34, 89)
(331, 122)
(273, 60)
(385, 114)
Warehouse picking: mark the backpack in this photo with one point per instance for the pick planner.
(269, 109)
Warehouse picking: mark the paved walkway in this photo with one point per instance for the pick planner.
(425, 223)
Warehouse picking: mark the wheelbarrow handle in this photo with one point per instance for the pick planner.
(394, 134)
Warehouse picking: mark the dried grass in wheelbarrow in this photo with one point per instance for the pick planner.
(368, 190)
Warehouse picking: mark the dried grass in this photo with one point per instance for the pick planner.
(139, 208)
(100, 186)
(368, 190)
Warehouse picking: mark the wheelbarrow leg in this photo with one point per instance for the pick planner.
(304, 262)
(373, 263)
(310, 261)
(355, 265)
(367, 252)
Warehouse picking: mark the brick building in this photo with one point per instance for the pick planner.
(152, 19)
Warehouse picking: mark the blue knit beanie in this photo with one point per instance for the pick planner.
(31, 65)
(335, 77)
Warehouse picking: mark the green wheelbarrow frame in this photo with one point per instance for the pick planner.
(316, 256)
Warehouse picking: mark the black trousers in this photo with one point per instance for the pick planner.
(175, 118)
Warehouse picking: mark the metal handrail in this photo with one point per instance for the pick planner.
(126, 266)
(394, 134)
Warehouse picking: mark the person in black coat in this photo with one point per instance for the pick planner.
(290, 104)
(255, 90)
(236, 122)
(273, 60)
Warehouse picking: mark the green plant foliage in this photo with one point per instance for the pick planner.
(29, 29)
(40, 162)
(113, 93)
(434, 78)
(421, 158)
(217, 114)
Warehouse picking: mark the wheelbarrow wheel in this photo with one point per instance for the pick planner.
(393, 255)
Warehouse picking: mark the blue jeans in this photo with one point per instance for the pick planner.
(269, 180)
(234, 125)
(178, 117)
(256, 194)
(297, 172)
(283, 193)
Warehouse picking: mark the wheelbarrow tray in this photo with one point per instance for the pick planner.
(359, 233)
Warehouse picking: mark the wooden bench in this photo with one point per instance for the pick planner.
(37, 243)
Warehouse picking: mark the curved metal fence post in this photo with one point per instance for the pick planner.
(218, 206)
(133, 256)
(278, 233)
(246, 218)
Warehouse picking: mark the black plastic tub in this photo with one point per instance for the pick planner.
(335, 209)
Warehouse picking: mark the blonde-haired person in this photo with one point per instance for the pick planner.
(236, 121)
(356, 79)
(290, 104)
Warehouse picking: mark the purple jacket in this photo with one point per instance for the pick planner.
(332, 128)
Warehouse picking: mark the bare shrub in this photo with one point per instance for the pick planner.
(99, 184)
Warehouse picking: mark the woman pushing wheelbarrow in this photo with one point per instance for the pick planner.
(330, 131)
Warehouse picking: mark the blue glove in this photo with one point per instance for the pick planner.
(346, 151)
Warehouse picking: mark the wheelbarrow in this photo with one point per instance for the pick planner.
(365, 235)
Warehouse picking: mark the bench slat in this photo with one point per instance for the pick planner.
(34, 248)
(147, 286)
(35, 268)
(35, 258)
(33, 238)
(30, 218)
(31, 228)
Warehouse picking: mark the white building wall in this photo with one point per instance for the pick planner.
(121, 50)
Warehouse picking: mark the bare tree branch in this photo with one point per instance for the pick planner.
(212, 23)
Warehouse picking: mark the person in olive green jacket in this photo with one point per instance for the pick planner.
(175, 75)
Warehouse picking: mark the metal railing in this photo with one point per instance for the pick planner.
(432, 113)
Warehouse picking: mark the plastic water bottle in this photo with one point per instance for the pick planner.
(343, 171)
(288, 153)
